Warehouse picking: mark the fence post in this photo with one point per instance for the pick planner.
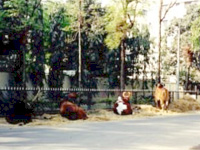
(135, 97)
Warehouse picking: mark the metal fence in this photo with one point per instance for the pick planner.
(87, 98)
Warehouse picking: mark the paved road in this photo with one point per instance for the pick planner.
(157, 133)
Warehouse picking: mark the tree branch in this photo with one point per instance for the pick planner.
(37, 95)
(168, 8)
(134, 15)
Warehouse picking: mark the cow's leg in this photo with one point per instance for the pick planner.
(159, 104)
(167, 104)
(162, 103)
(156, 103)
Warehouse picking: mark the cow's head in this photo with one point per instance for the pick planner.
(160, 85)
(126, 96)
(72, 95)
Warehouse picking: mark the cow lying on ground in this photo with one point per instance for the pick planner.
(122, 106)
(19, 112)
(161, 97)
(72, 111)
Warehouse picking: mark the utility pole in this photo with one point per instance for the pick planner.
(79, 44)
(178, 62)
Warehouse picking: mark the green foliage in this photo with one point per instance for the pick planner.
(143, 100)
(195, 30)
(22, 14)
(121, 29)
(113, 40)
(189, 27)
(113, 66)
(119, 22)
(3, 15)
(116, 27)
(139, 45)
(56, 52)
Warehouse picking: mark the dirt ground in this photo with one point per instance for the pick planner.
(183, 105)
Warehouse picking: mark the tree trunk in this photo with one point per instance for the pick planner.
(160, 19)
(122, 57)
(187, 79)
(89, 100)
(159, 41)
(79, 46)
(144, 78)
(132, 81)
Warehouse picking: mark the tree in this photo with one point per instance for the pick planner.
(188, 55)
(36, 64)
(57, 51)
(19, 18)
(92, 43)
(138, 46)
(93, 35)
(79, 44)
(121, 20)
(162, 14)
(195, 35)
(26, 18)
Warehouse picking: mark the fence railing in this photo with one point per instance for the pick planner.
(88, 98)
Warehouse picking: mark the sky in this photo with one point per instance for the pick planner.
(105, 2)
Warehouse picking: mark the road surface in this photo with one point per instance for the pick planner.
(181, 132)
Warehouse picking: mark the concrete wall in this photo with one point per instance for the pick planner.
(66, 82)
(4, 76)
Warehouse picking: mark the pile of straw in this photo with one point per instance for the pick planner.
(184, 104)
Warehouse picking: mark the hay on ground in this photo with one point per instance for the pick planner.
(184, 104)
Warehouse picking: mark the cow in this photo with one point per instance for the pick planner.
(19, 112)
(71, 110)
(72, 97)
(161, 97)
(122, 106)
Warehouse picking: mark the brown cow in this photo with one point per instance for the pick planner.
(72, 111)
(161, 97)
(19, 112)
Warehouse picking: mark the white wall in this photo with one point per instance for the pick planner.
(66, 82)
